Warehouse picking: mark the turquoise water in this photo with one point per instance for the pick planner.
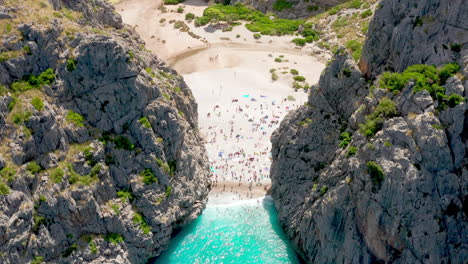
(244, 232)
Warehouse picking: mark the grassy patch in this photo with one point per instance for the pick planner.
(125, 195)
(148, 176)
(71, 65)
(299, 78)
(7, 174)
(37, 103)
(141, 222)
(4, 189)
(351, 151)
(56, 175)
(33, 167)
(345, 138)
(75, 118)
(145, 122)
(114, 238)
(355, 47)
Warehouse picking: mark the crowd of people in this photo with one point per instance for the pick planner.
(238, 140)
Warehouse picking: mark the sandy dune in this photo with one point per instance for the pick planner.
(239, 104)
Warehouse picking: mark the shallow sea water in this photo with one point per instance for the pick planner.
(241, 232)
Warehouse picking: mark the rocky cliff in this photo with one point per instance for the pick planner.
(373, 169)
(100, 155)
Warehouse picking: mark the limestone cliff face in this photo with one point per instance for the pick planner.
(100, 156)
(399, 195)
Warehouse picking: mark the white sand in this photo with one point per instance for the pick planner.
(219, 72)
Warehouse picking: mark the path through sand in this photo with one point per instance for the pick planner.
(239, 104)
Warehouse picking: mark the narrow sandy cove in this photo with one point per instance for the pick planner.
(239, 104)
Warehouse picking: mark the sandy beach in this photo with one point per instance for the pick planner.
(239, 103)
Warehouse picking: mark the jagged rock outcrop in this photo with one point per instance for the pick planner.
(397, 194)
(100, 157)
(404, 33)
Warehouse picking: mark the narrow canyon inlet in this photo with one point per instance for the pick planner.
(233, 131)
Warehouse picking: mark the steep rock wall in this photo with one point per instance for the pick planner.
(120, 162)
(399, 196)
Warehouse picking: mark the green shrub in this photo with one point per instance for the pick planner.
(351, 151)
(376, 173)
(12, 103)
(37, 260)
(148, 176)
(33, 167)
(356, 4)
(168, 191)
(21, 86)
(323, 190)
(114, 238)
(257, 36)
(46, 78)
(294, 72)
(278, 60)
(374, 121)
(425, 77)
(305, 122)
(180, 10)
(4, 189)
(355, 47)
(274, 76)
(347, 72)
(71, 65)
(299, 41)
(345, 138)
(21, 117)
(56, 175)
(189, 16)
(140, 220)
(366, 13)
(75, 118)
(173, 2)
(145, 122)
(125, 195)
(37, 103)
(447, 71)
(93, 247)
(335, 9)
(7, 174)
(69, 251)
(455, 47)
(299, 78)
(310, 39)
(280, 5)
(259, 22)
(202, 21)
(115, 208)
(27, 49)
(122, 142)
